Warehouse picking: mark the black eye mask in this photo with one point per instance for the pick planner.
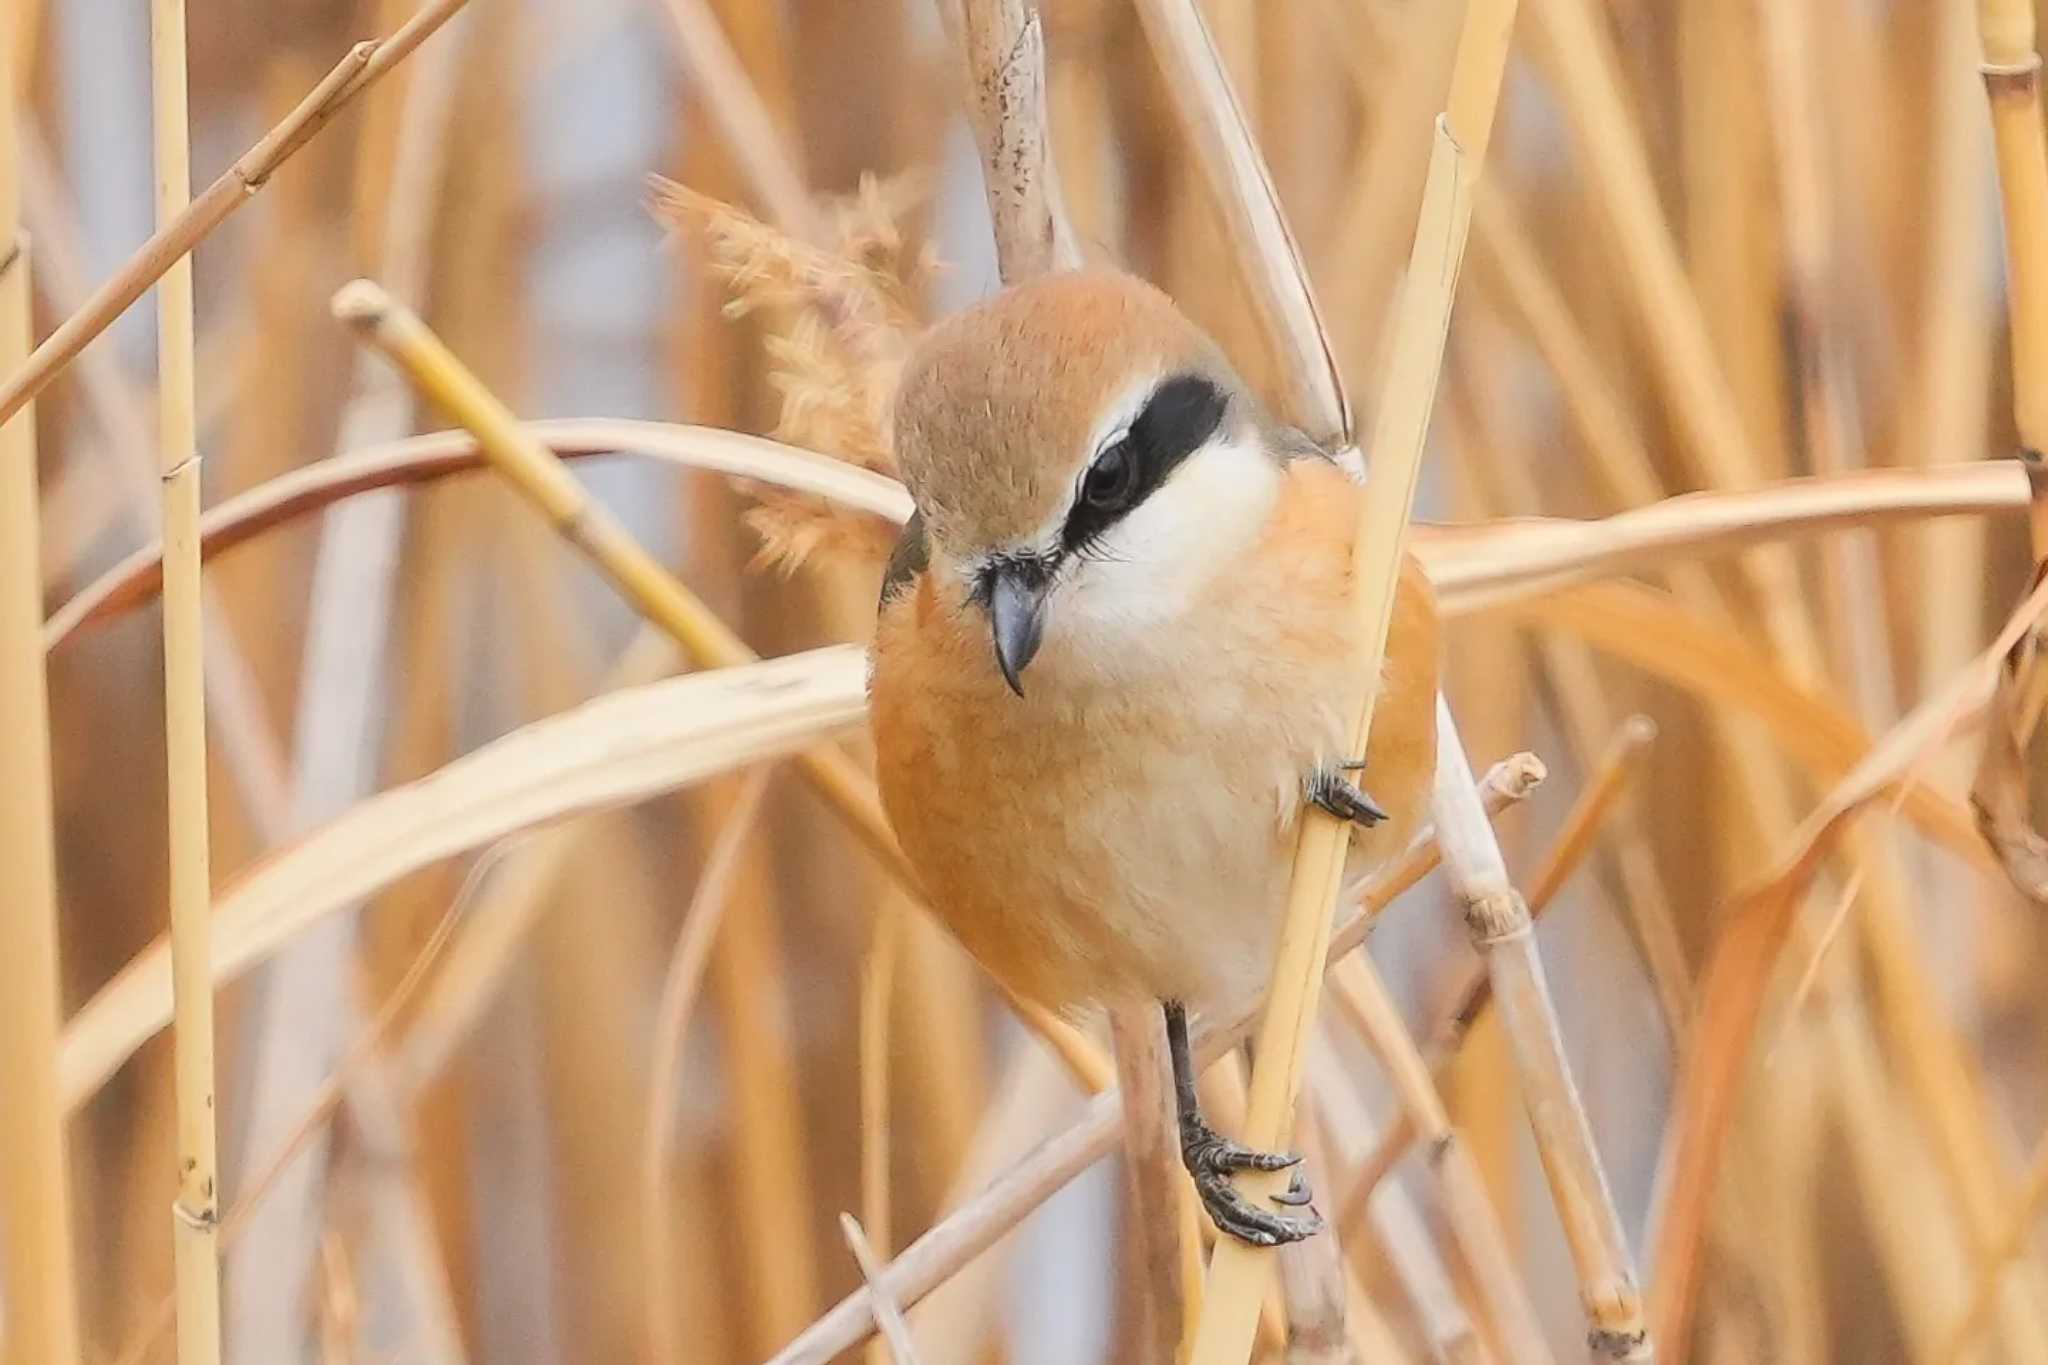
(1182, 414)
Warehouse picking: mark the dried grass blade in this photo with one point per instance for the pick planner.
(443, 454)
(1747, 952)
(616, 749)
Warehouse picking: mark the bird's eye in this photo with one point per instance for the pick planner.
(1111, 479)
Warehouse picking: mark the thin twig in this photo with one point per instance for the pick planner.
(977, 1224)
(365, 64)
(888, 1317)
(672, 1020)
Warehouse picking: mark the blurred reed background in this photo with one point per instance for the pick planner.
(1721, 243)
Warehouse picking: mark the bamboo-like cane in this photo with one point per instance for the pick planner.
(365, 64)
(1499, 920)
(196, 1214)
(976, 1225)
(541, 477)
(2012, 82)
(1237, 1270)
(37, 1272)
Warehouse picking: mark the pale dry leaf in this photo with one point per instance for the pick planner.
(619, 748)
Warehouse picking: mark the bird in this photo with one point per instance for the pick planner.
(1114, 662)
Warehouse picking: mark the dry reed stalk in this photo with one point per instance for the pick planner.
(1475, 1231)
(587, 525)
(617, 749)
(1004, 44)
(1590, 814)
(2010, 1247)
(1403, 1236)
(1741, 966)
(196, 1212)
(1315, 1283)
(240, 733)
(888, 1317)
(1499, 921)
(366, 63)
(306, 1009)
(426, 458)
(1312, 394)
(1680, 351)
(1152, 1174)
(1474, 567)
(756, 146)
(679, 990)
(1582, 707)
(974, 1226)
(38, 1270)
(325, 1105)
(877, 994)
(1824, 377)
(1714, 663)
(1236, 1268)
(2012, 82)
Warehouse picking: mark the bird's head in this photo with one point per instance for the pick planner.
(1084, 460)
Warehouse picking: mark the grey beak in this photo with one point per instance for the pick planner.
(1016, 613)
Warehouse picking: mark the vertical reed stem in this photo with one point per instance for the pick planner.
(196, 1214)
(37, 1283)
(2012, 83)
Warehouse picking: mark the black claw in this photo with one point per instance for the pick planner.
(1297, 1194)
(1211, 1159)
(1342, 797)
(1234, 1214)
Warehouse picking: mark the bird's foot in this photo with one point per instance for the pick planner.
(1341, 797)
(1212, 1159)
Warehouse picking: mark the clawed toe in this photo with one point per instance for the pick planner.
(1343, 798)
(1235, 1214)
(1212, 1159)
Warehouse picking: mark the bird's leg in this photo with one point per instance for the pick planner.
(1212, 1158)
(1340, 796)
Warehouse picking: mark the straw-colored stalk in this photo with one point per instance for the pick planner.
(679, 989)
(1005, 50)
(537, 475)
(1238, 1269)
(196, 1214)
(365, 64)
(896, 1340)
(1583, 824)
(541, 477)
(978, 1223)
(37, 1266)
(1501, 925)
(877, 993)
(363, 1055)
(2012, 81)
(1474, 1228)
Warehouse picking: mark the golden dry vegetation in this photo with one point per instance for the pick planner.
(446, 915)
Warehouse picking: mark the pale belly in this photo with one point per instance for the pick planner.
(1109, 850)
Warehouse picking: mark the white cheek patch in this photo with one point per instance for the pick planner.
(1149, 566)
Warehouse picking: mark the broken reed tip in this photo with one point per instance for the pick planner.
(361, 303)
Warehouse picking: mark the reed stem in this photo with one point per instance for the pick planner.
(38, 1275)
(196, 1214)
